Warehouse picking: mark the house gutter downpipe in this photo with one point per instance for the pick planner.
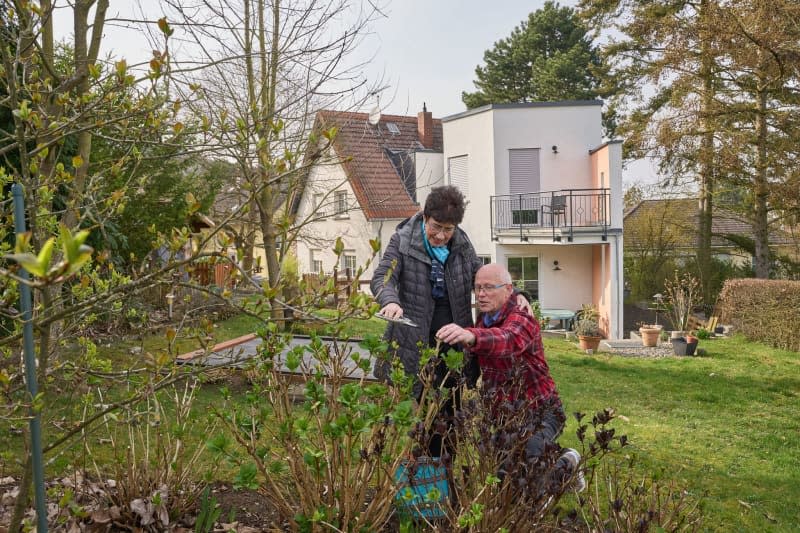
(30, 368)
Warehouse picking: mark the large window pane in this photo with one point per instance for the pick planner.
(525, 274)
(515, 267)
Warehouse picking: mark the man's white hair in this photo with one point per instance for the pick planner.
(501, 272)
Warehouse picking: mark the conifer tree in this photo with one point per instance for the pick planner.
(548, 57)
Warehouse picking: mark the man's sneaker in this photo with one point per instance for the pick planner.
(572, 458)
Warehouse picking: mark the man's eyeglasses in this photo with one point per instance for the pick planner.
(437, 228)
(487, 288)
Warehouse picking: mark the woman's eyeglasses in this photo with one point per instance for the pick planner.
(437, 228)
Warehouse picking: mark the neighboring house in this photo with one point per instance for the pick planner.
(376, 176)
(669, 227)
(241, 225)
(545, 197)
(544, 192)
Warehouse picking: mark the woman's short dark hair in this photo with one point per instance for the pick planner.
(445, 204)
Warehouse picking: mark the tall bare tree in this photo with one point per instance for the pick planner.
(758, 149)
(712, 93)
(266, 67)
(667, 64)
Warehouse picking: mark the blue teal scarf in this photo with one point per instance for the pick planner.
(438, 255)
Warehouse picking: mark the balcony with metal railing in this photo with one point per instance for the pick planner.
(557, 214)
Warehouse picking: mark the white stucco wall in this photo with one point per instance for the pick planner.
(487, 136)
(472, 136)
(573, 129)
(321, 234)
(568, 288)
(354, 229)
(430, 169)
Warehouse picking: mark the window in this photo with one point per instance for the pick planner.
(458, 173)
(316, 264)
(523, 215)
(523, 170)
(393, 128)
(523, 176)
(485, 259)
(319, 208)
(340, 203)
(525, 274)
(349, 262)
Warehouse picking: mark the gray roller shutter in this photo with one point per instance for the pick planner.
(523, 177)
(523, 170)
(458, 173)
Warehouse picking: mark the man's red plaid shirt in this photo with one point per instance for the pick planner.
(511, 355)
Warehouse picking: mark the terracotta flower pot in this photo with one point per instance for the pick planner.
(650, 335)
(589, 343)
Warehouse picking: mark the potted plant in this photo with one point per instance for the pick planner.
(651, 332)
(703, 333)
(589, 334)
(587, 327)
(683, 294)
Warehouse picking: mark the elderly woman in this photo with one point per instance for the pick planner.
(431, 265)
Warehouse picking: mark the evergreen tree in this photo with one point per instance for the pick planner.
(548, 57)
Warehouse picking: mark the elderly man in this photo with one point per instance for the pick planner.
(508, 344)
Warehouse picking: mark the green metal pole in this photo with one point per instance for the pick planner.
(30, 369)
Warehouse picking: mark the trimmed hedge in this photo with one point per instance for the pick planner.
(763, 310)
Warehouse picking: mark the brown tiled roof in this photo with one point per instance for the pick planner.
(680, 219)
(366, 152)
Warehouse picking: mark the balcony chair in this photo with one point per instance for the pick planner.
(557, 208)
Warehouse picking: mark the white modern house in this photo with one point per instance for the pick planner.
(544, 191)
(545, 196)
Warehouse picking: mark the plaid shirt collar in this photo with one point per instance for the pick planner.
(489, 320)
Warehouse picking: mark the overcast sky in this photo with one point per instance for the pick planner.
(424, 50)
(429, 49)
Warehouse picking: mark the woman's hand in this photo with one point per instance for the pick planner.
(391, 310)
(524, 304)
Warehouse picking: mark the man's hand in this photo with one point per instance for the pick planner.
(454, 334)
(391, 310)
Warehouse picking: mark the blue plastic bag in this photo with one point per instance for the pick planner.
(422, 489)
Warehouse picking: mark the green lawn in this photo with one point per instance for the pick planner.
(724, 425)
